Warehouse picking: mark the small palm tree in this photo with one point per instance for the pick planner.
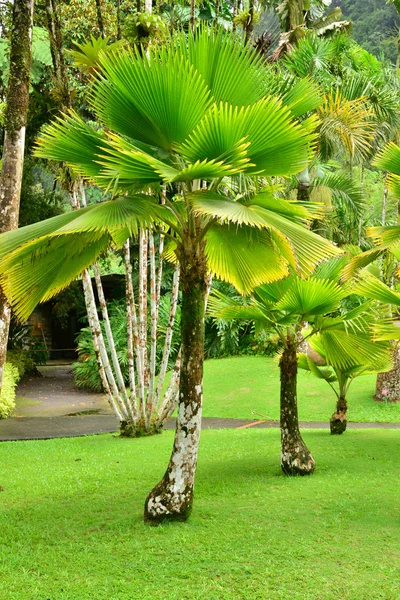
(344, 349)
(190, 115)
(284, 307)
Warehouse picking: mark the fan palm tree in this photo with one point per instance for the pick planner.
(343, 350)
(177, 117)
(284, 307)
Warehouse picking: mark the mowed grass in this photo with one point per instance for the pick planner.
(247, 387)
(71, 520)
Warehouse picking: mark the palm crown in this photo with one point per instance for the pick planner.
(192, 111)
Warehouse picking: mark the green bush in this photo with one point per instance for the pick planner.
(22, 361)
(7, 396)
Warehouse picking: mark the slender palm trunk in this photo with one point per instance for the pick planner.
(14, 141)
(100, 22)
(296, 459)
(250, 23)
(192, 15)
(235, 14)
(172, 497)
(338, 421)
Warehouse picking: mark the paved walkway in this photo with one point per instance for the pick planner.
(52, 407)
(43, 428)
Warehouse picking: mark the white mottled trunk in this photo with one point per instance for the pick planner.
(111, 344)
(168, 336)
(153, 330)
(130, 311)
(134, 346)
(106, 374)
(143, 245)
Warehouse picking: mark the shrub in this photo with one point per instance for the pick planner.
(7, 396)
(22, 361)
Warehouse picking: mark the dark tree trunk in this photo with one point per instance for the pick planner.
(216, 12)
(172, 498)
(119, 20)
(296, 459)
(250, 23)
(235, 14)
(338, 421)
(14, 141)
(57, 53)
(100, 21)
(303, 192)
(192, 15)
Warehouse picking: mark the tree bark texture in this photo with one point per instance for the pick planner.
(172, 497)
(250, 23)
(14, 140)
(296, 459)
(388, 384)
(100, 22)
(338, 421)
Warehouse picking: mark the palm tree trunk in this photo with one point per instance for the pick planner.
(172, 497)
(296, 459)
(235, 14)
(14, 141)
(192, 15)
(388, 384)
(338, 421)
(100, 22)
(250, 23)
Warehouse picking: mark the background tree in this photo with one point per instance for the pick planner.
(14, 142)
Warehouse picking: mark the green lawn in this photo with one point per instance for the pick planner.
(71, 520)
(248, 388)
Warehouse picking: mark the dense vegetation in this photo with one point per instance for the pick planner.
(375, 25)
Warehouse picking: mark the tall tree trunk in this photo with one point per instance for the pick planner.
(250, 23)
(296, 459)
(119, 35)
(193, 15)
(100, 22)
(338, 421)
(172, 497)
(57, 53)
(235, 14)
(14, 141)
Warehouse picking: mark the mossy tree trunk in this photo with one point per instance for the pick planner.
(296, 459)
(338, 421)
(172, 497)
(14, 140)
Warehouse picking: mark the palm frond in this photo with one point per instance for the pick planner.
(243, 257)
(311, 297)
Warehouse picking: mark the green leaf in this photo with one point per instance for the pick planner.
(311, 297)
(277, 145)
(157, 100)
(242, 256)
(41, 269)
